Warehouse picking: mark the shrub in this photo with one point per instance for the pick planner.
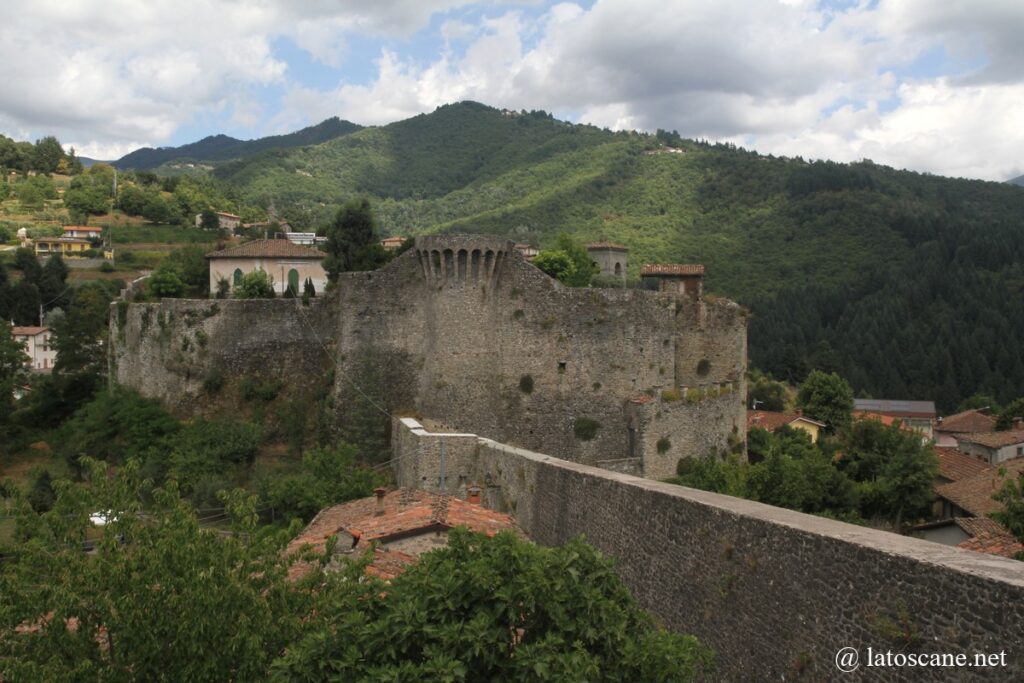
(263, 391)
(670, 395)
(526, 384)
(585, 428)
(214, 381)
(664, 444)
(106, 267)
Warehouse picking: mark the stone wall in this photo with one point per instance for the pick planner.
(491, 345)
(776, 593)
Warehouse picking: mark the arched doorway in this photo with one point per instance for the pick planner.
(293, 280)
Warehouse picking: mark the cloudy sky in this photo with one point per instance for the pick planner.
(931, 85)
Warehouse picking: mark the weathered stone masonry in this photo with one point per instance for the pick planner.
(775, 592)
(492, 345)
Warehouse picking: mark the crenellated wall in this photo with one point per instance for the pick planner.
(776, 593)
(482, 339)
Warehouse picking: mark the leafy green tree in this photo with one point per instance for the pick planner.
(490, 609)
(47, 154)
(978, 401)
(164, 282)
(895, 472)
(13, 360)
(768, 394)
(1006, 416)
(208, 220)
(255, 285)
(328, 476)
(352, 240)
(190, 264)
(1011, 495)
(569, 262)
(79, 338)
(826, 397)
(159, 599)
(90, 192)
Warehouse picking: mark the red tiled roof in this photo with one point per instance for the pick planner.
(1001, 543)
(28, 330)
(642, 399)
(595, 246)
(268, 249)
(655, 269)
(770, 420)
(974, 494)
(405, 512)
(956, 465)
(967, 422)
(82, 228)
(994, 439)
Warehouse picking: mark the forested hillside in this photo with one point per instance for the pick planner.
(222, 147)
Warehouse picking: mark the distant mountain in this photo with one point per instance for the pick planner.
(87, 162)
(1019, 180)
(223, 147)
(909, 285)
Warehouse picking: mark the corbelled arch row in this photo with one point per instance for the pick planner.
(469, 262)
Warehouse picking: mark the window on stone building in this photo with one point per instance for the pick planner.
(293, 280)
(236, 278)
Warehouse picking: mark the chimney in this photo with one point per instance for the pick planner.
(379, 492)
(1018, 424)
(473, 494)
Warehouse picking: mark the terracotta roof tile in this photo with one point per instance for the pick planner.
(974, 494)
(770, 420)
(28, 330)
(994, 439)
(405, 513)
(1000, 543)
(642, 399)
(956, 465)
(268, 249)
(967, 422)
(655, 269)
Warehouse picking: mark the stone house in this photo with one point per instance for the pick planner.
(38, 346)
(610, 258)
(918, 415)
(228, 221)
(287, 264)
(403, 524)
(994, 447)
(968, 422)
(679, 278)
(771, 420)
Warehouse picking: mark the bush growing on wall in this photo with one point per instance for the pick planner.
(585, 428)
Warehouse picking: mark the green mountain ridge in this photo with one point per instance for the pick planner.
(224, 147)
(910, 285)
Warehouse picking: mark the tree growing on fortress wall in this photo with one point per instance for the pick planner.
(568, 262)
(352, 240)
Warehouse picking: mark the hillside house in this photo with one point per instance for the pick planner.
(83, 232)
(972, 495)
(968, 422)
(680, 278)
(287, 264)
(392, 243)
(227, 221)
(994, 447)
(404, 524)
(771, 420)
(610, 258)
(919, 415)
(979, 534)
(73, 247)
(38, 346)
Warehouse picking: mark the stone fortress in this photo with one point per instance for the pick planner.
(564, 385)
(473, 335)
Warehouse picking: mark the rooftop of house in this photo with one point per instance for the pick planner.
(394, 239)
(598, 246)
(974, 493)
(81, 228)
(268, 249)
(989, 536)
(770, 420)
(887, 420)
(966, 422)
(994, 439)
(896, 408)
(28, 330)
(659, 269)
(955, 465)
(397, 514)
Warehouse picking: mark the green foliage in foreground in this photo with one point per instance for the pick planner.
(162, 599)
(883, 473)
(496, 609)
